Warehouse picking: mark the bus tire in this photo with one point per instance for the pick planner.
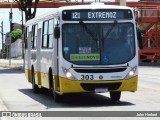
(57, 97)
(115, 96)
(35, 87)
(50, 78)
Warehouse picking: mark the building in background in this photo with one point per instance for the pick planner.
(16, 49)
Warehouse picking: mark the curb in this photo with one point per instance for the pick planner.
(13, 66)
(16, 64)
(4, 109)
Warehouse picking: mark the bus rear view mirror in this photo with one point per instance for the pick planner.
(56, 32)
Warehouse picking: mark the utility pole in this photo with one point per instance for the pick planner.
(10, 19)
(23, 42)
(2, 38)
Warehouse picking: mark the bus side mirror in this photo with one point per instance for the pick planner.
(56, 32)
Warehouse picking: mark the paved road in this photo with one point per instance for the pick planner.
(16, 94)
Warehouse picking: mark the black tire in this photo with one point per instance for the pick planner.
(115, 96)
(57, 97)
(35, 87)
(50, 79)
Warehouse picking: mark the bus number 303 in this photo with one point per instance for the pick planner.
(87, 77)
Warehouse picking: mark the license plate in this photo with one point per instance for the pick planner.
(101, 90)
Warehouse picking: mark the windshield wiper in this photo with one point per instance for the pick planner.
(87, 30)
(107, 34)
(109, 31)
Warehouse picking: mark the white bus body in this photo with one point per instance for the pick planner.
(72, 50)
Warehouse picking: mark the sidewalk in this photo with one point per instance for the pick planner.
(15, 64)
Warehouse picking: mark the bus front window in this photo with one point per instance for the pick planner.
(98, 44)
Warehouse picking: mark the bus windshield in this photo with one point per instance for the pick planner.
(98, 43)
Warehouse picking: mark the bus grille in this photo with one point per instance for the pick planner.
(92, 86)
(100, 70)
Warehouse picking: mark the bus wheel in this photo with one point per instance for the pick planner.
(57, 97)
(115, 96)
(34, 86)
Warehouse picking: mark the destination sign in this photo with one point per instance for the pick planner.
(94, 15)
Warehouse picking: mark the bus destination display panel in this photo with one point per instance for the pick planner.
(96, 15)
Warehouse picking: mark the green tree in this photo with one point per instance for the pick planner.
(16, 34)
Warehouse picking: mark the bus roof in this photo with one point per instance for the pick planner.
(94, 6)
(42, 17)
(90, 6)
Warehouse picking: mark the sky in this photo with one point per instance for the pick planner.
(4, 16)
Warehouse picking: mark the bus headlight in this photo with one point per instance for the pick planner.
(68, 74)
(131, 73)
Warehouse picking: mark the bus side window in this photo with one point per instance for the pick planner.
(48, 32)
(44, 36)
(51, 33)
(34, 37)
(26, 38)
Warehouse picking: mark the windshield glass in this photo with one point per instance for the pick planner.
(98, 44)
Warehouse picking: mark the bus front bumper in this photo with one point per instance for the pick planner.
(78, 86)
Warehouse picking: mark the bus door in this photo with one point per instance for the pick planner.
(28, 56)
(55, 56)
(38, 54)
(35, 52)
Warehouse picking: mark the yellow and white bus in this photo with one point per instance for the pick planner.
(83, 48)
